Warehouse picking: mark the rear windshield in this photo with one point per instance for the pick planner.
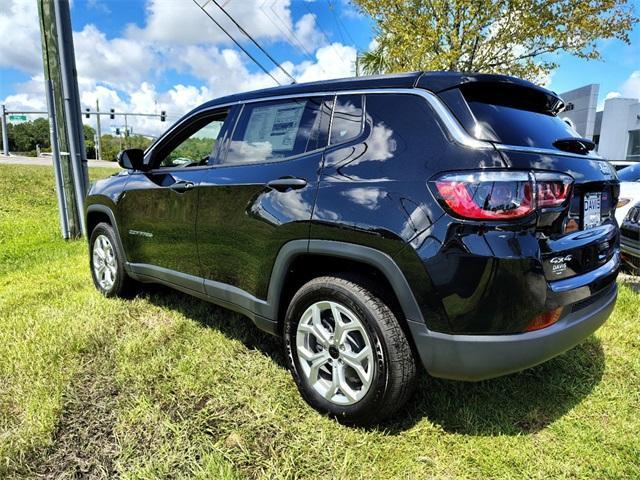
(516, 115)
(514, 126)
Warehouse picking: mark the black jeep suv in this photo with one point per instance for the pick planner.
(375, 223)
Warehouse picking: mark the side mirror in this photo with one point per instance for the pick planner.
(132, 159)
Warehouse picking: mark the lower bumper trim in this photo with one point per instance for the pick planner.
(479, 357)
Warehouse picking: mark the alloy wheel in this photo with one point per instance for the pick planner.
(335, 352)
(104, 262)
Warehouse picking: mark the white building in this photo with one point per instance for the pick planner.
(615, 129)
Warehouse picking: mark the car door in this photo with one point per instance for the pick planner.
(159, 207)
(260, 194)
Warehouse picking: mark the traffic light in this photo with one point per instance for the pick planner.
(111, 114)
(163, 116)
(117, 132)
(86, 114)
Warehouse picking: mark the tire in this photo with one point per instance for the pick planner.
(112, 280)
(323, 367)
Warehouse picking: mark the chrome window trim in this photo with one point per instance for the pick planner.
(451, 124)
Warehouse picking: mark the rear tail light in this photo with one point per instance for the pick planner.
(545, 319)
(501, 195)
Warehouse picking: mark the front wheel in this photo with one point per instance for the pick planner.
(347, 352)
(107, 263)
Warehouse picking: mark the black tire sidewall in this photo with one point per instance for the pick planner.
(118, 286)
(334, 292)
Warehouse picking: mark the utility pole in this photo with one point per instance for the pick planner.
(126, 132)
(55, 155)
(59, 70)
(71, 97)
(5, 132)
(98, 131)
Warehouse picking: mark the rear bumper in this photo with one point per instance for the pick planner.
(478, 357)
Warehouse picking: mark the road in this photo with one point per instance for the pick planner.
(47, 162)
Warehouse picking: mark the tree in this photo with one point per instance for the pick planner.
(23, 137)
(516, 37)
(111, 145)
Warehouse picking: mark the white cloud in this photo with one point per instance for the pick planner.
(29, 95)
(332, 61)
(307, 33)
(631, 86)
(122, 72)
(20, 34)
(119, 62)
(182, 22)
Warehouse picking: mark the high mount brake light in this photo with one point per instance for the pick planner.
(502, 195)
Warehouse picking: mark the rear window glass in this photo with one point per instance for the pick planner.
(516, 115)
(514, 126)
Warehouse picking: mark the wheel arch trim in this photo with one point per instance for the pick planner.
(331, 248)
(99, 208)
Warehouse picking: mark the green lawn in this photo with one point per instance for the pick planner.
(165, 385)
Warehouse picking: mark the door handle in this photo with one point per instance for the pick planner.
(182, 186)
(284, 184)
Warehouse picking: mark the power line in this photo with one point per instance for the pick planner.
(293, 80)
(237, 43)
(286, 31)
(339, 23)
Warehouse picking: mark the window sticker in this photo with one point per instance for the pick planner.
(275, 124)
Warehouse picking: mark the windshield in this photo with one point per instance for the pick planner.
(630, 174)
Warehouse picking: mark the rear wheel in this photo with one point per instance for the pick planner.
(107, 263)
(347, 352)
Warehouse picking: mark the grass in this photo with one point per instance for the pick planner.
(165, 385)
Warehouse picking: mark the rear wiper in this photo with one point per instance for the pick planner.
(574, 145)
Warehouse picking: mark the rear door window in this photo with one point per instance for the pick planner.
(275, 130)
(347, 118)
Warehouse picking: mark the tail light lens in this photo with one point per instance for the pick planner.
(501, 195)
(552, 189)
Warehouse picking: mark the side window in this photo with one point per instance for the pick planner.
(194, 145)
(269, 131)
(347, 118)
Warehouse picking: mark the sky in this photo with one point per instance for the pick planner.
(152, 55)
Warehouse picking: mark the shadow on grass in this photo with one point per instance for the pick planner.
(512, 405)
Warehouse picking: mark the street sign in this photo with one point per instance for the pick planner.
(17, 118)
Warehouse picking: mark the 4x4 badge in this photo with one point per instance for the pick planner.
(559, 264)
(557, 260)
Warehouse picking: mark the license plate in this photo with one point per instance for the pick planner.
(591, 211)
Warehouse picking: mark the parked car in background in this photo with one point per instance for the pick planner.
(629, 190)
(630, 239)
(375, 224)
(620, 164)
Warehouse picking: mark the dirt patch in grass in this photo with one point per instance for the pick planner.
(84, 444)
